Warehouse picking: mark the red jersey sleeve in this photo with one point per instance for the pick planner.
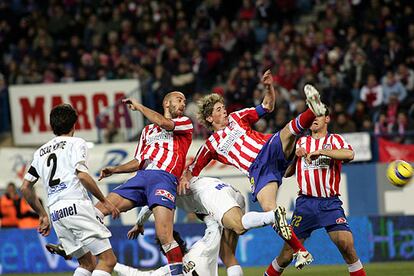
(248, 115)
(203, 157)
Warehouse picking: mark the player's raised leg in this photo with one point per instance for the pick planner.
(303, 121)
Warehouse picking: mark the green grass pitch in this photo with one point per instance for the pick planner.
(374, 269)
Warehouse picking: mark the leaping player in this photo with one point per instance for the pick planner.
(263, 158)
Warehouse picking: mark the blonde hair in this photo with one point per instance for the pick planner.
(205, 108)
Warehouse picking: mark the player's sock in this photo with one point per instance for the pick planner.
(234, 270)
(174, 257)
(258, 219)
(97, 272)
(80, 271)
(356, 269)
(294, 242)
(274, 269)
(301, 122)
(124, 270)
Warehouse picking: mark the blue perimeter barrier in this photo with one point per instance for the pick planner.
(376, 239)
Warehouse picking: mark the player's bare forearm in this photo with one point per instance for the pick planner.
(30, 196)
(270, 94)
(153, 116)
(157, 118)
(339, 154)
(90, 185)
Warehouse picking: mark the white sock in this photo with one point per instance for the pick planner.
(276, 266)
(355, 266)
(80, 271)
(100, 273)
(258, 219)
(234, 270)
(124, 270)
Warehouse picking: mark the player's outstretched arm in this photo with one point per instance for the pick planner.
(153, 116)
(138, 228)
(131, 166)
(90, 185)
(30, 196)
(269, 99)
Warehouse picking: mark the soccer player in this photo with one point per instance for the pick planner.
(210, 199)
(318, 173)
(61, 163)
(263, 158)
(159, 162)
(202, 257)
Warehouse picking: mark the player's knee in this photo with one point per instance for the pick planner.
(108, 259)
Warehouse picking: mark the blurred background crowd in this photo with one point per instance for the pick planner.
(359, 54)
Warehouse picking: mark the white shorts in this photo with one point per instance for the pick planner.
(77, 227)
(218, 201)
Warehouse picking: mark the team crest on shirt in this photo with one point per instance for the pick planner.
(341, 220)
(327, 146)
(165, 194)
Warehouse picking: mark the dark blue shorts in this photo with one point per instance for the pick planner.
(312, 213)
(150, 187)
(270, 165)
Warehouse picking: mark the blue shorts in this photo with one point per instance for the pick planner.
(150, 187)
(312, 213)
(270, 165)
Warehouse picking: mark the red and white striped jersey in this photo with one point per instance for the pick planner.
(237, 144)
(165, 150)
(321, 177)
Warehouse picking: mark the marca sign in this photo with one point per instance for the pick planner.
(31, 104)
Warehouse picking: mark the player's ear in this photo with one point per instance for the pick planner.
(327, 119)
(209, 119)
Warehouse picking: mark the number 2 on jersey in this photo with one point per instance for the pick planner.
(52, 158)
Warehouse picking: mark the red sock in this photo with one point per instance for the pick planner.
(303, 121)
(294, 242)
(174, 254)
(271, 271)
(360, 272)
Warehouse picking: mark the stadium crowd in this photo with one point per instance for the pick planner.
(359, 54)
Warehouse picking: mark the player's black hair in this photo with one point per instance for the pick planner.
(182, 244)
(62, 119)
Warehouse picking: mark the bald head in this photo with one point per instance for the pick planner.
(172, 94)
(174, 104)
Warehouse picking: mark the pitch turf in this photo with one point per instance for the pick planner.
(375, 269)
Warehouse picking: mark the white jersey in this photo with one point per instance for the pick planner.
(56, 163)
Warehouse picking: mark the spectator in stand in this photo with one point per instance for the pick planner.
(372, 95)
(342, 124)
(27, 217)
(381, 126)
(9, 203)
(392, 86)
(406, 76)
